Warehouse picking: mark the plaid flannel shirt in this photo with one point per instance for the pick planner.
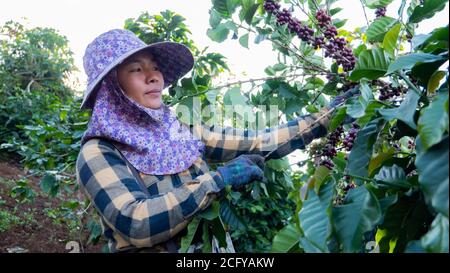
(131, 219)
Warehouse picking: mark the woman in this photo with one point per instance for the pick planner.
(146, 172)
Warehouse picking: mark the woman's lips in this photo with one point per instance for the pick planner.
(153, 92)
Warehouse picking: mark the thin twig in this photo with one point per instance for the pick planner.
(235, 83)
(318, 27)
(400, 19)
(260, 79)
(313, 157)
(315, 4)
(317, 96)
(365, 15)
(311, 18)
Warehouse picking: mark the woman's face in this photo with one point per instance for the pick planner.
(141, 80)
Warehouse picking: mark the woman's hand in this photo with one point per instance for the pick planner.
(242, 170)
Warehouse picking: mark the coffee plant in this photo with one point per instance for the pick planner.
(382, 179)
(36, 58)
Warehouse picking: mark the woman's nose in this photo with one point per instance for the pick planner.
(152, 77)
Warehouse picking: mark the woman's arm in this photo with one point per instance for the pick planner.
(223, 144)
(141, 220)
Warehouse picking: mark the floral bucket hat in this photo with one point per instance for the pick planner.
(154, 141)
(111, 48)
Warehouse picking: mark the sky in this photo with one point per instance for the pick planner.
(81, 21)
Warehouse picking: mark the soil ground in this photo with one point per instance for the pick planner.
(30, 226)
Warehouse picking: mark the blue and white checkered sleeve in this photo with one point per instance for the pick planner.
(141, 220)
(225, 143)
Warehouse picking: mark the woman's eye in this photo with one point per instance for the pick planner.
(135, 70)
(155, 68)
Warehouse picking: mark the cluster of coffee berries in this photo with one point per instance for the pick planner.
(318, 42)
(327, 163)
(349, 186)
(342, 190)
(380, 12)
(284, 16)
(323, 18)
(329, 150)
(410, 144)
(325, 24)
(390, 92)
(350, 137)
(271, 6)
(335, 137)
(335, 48)
(387, 90)
(303, 32)
(330, 32)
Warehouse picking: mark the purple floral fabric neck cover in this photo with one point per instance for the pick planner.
(153, 141)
